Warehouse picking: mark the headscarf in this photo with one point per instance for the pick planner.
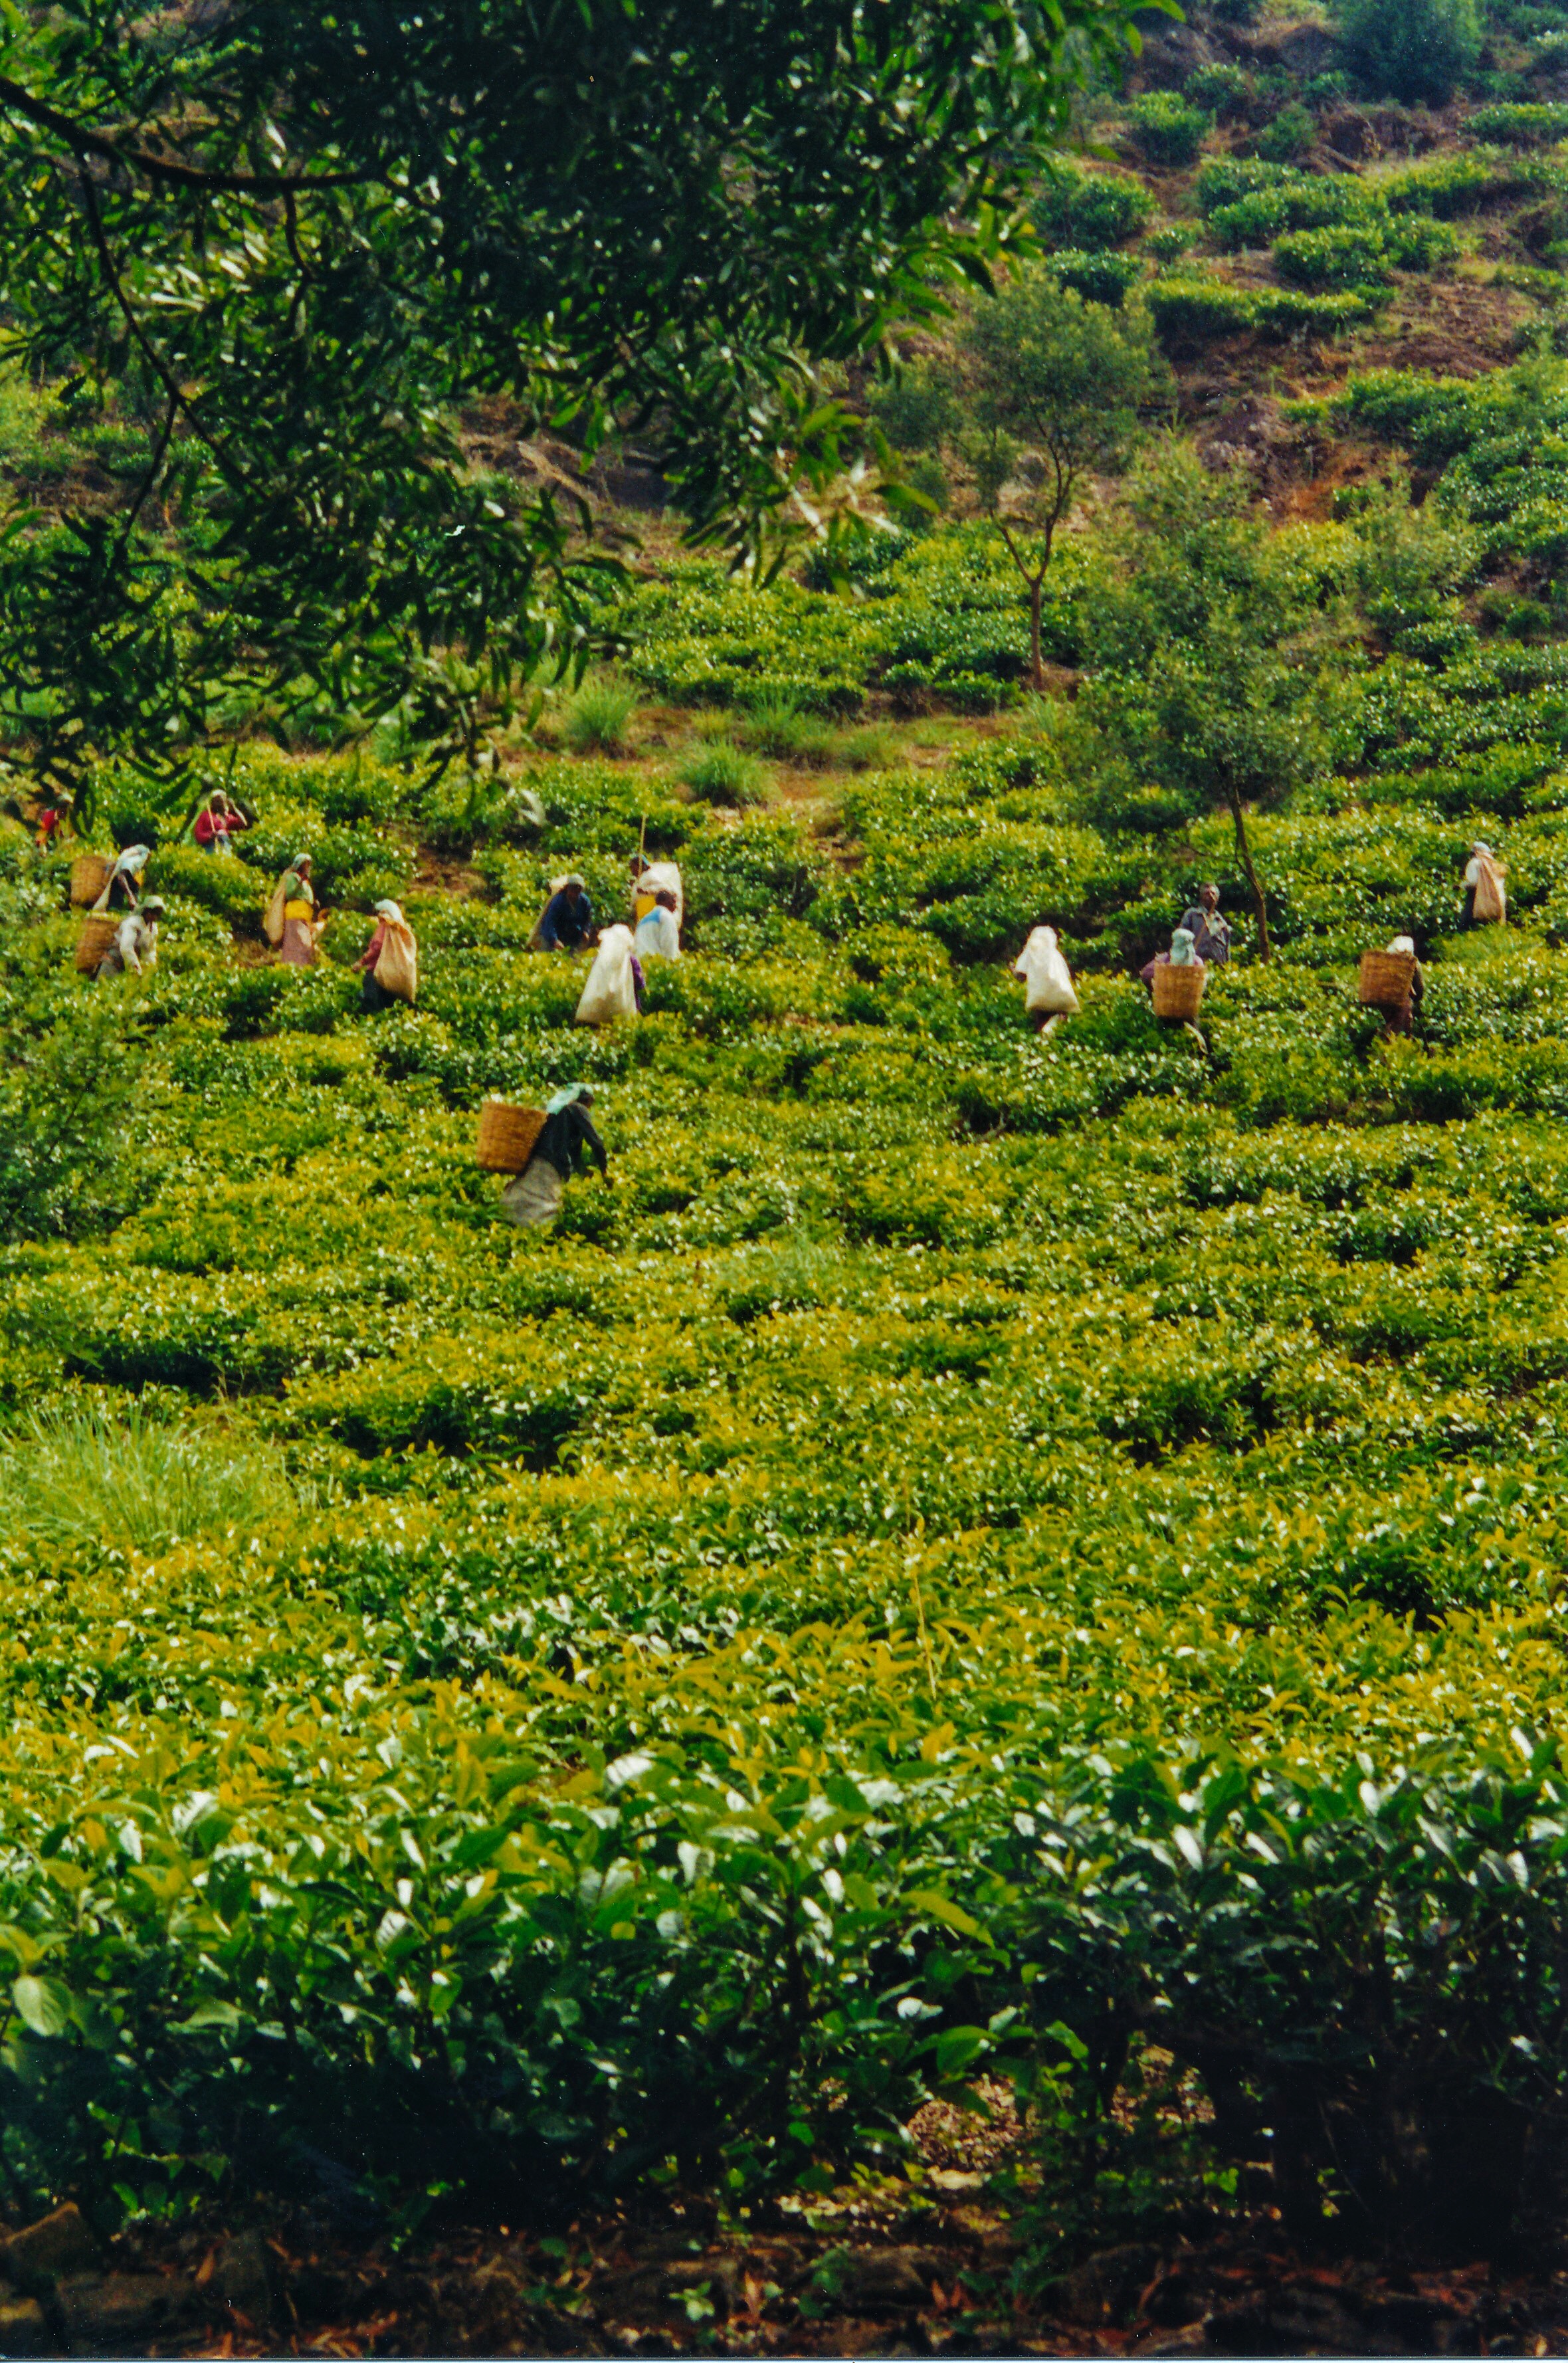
(1484, 850)
(301, 861)
(1404, 944)
(1183, 951)
(134, 858)
(389, 910)
(564, 1097)
(572, 879)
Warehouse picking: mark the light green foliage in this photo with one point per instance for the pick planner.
(1521, 126)
(1218, 90)
(1167, 129)
(597, 713)
(1291, 135)
(725, 775)
(128, 1481)
(1341, 258)
(1090, 210)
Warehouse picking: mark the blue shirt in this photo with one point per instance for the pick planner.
(566, 925)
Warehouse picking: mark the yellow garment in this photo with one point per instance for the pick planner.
(294, 910)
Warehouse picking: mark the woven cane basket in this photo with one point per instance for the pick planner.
(1179, 992)
(1386, 980)
(89, 876)
(94, 941)
(508, 1136)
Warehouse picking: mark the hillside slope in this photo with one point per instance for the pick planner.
(986, 1570)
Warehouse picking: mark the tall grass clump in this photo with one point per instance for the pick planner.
(77, 1474)
(725, 775)
(775, 724)
(597, 717)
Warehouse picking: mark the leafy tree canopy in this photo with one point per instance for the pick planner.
(1411, 50)
(296, 238)
(1051, 385)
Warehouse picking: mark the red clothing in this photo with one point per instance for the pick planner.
(369, 958)
(212, 825)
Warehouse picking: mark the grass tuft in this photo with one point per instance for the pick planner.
(76, 1475)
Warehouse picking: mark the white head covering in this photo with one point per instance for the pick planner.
(389, 911)
(1404, 944)
(1479, 847)
(135, 857)
(1183, 951)
(564, 1097)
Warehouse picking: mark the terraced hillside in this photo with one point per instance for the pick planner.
(986, 1572)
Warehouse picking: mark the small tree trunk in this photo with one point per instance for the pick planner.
(1036, 662)
(1265, 949)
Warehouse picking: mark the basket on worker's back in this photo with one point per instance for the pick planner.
(508, 1136)
(94, 941)
(1179, 992)
(89, 876)
(1387, 978)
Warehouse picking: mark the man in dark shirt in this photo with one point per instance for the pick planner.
(568, 917)
(1211, 933)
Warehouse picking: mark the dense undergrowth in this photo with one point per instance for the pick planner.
(979, 1553)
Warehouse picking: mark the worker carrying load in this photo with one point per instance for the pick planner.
(566, 923)
(135, 944)
(659, 929)
(1486, 896)
(390, 960)
(291, 921)
(1392, 984)
(1177, 979)
(1048, 982)
(533, 1198)
(1211, 933)
(122, 887)
(651, 878)
(615, 982)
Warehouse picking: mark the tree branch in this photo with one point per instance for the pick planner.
(165, 168)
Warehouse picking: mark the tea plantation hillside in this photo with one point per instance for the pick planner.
(989, 1582)
(974, 1554)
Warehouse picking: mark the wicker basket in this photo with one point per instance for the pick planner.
(1387, 978)
(1179, 992)
(508, 1136)
(94, 941)
(89, 876)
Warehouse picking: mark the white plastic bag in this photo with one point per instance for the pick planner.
(609, 992)
(1047, 978)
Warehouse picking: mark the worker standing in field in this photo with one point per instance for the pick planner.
(136, 942)
(658, 935)
(533, 1198)
(217, 821)
(566, 923)
(1486, 896)
(291, 920)
(390, 960)
(1211, 933)
(1048, 980)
